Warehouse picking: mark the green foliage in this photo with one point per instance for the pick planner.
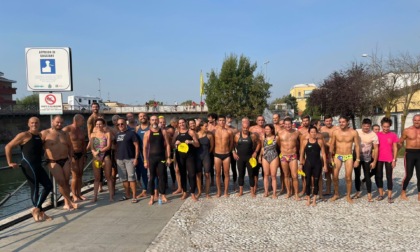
(30, 100)
(186, 103)
(151, 102)
(236, 90)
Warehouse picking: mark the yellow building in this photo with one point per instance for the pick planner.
(414, 104)
(301, 92)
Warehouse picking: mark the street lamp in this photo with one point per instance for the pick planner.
(266, 63)
(100, 96)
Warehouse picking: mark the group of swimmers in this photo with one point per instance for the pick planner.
(201, 153)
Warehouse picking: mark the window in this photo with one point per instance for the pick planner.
(80, 100)
(299, 94)
(308, 93)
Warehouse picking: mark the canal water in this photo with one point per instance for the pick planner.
(10, 179)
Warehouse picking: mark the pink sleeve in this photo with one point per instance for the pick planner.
(396, 140)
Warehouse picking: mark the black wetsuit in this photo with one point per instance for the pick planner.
(203, 154)
(32, 153)
(157, 162)
(186, 163)
(411, 160)
(244, 149)
(313, 166)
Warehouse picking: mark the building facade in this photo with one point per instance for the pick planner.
(301, 92)
(6, 91)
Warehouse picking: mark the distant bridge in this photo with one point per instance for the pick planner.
(20, 110)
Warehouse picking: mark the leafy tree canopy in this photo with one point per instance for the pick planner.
(237, 90)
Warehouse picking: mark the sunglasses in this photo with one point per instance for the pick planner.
(120, 124)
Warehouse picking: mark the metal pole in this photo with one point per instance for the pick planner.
(100, 95)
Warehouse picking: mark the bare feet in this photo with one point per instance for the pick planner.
(226, 195)
(404, 195)
(349, 200)
(111, 199)
(184, 196)
(239, 194)
(164, 199)
(193, 197)
(93, 200)
(36, 214)
(218, 195)
(44, 216)
(151, 201)
(287, 196)
(265, 194)
(274, 196)
(253, 195)
(81, 197)
(334, 198)
(142, 194)
(297, 198)
(177, 191)
(198, 195)
(314, 202)
(308, 200)
(208, 196)
(357, 195)
(68, 208)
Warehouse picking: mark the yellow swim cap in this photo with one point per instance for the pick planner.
(302, 173)
(97, 164)
(183, 147)
(253, 162)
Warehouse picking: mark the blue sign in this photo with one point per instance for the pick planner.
(47, 66)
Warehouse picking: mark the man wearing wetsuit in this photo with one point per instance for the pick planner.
(259, 131)
(31, 145)
(141, 171)
(246, 145)
(223, 142)
(59, 151)
(341, 144)
(77, 137)
(411, 136)
(156, 153)
(368, 157)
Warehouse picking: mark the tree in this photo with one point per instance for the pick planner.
(236, 90)
(30, 100)
(406, 72)
(345, 93)
(186, 103)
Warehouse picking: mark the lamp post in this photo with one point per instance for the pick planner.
(100, 95)
(266, 63)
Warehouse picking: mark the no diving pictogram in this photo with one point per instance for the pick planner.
(50, 99)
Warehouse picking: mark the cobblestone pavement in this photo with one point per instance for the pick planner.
(264, 224)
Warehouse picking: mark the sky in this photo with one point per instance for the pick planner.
(144, 50)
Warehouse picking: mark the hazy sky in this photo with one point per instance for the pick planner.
(155, 49)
